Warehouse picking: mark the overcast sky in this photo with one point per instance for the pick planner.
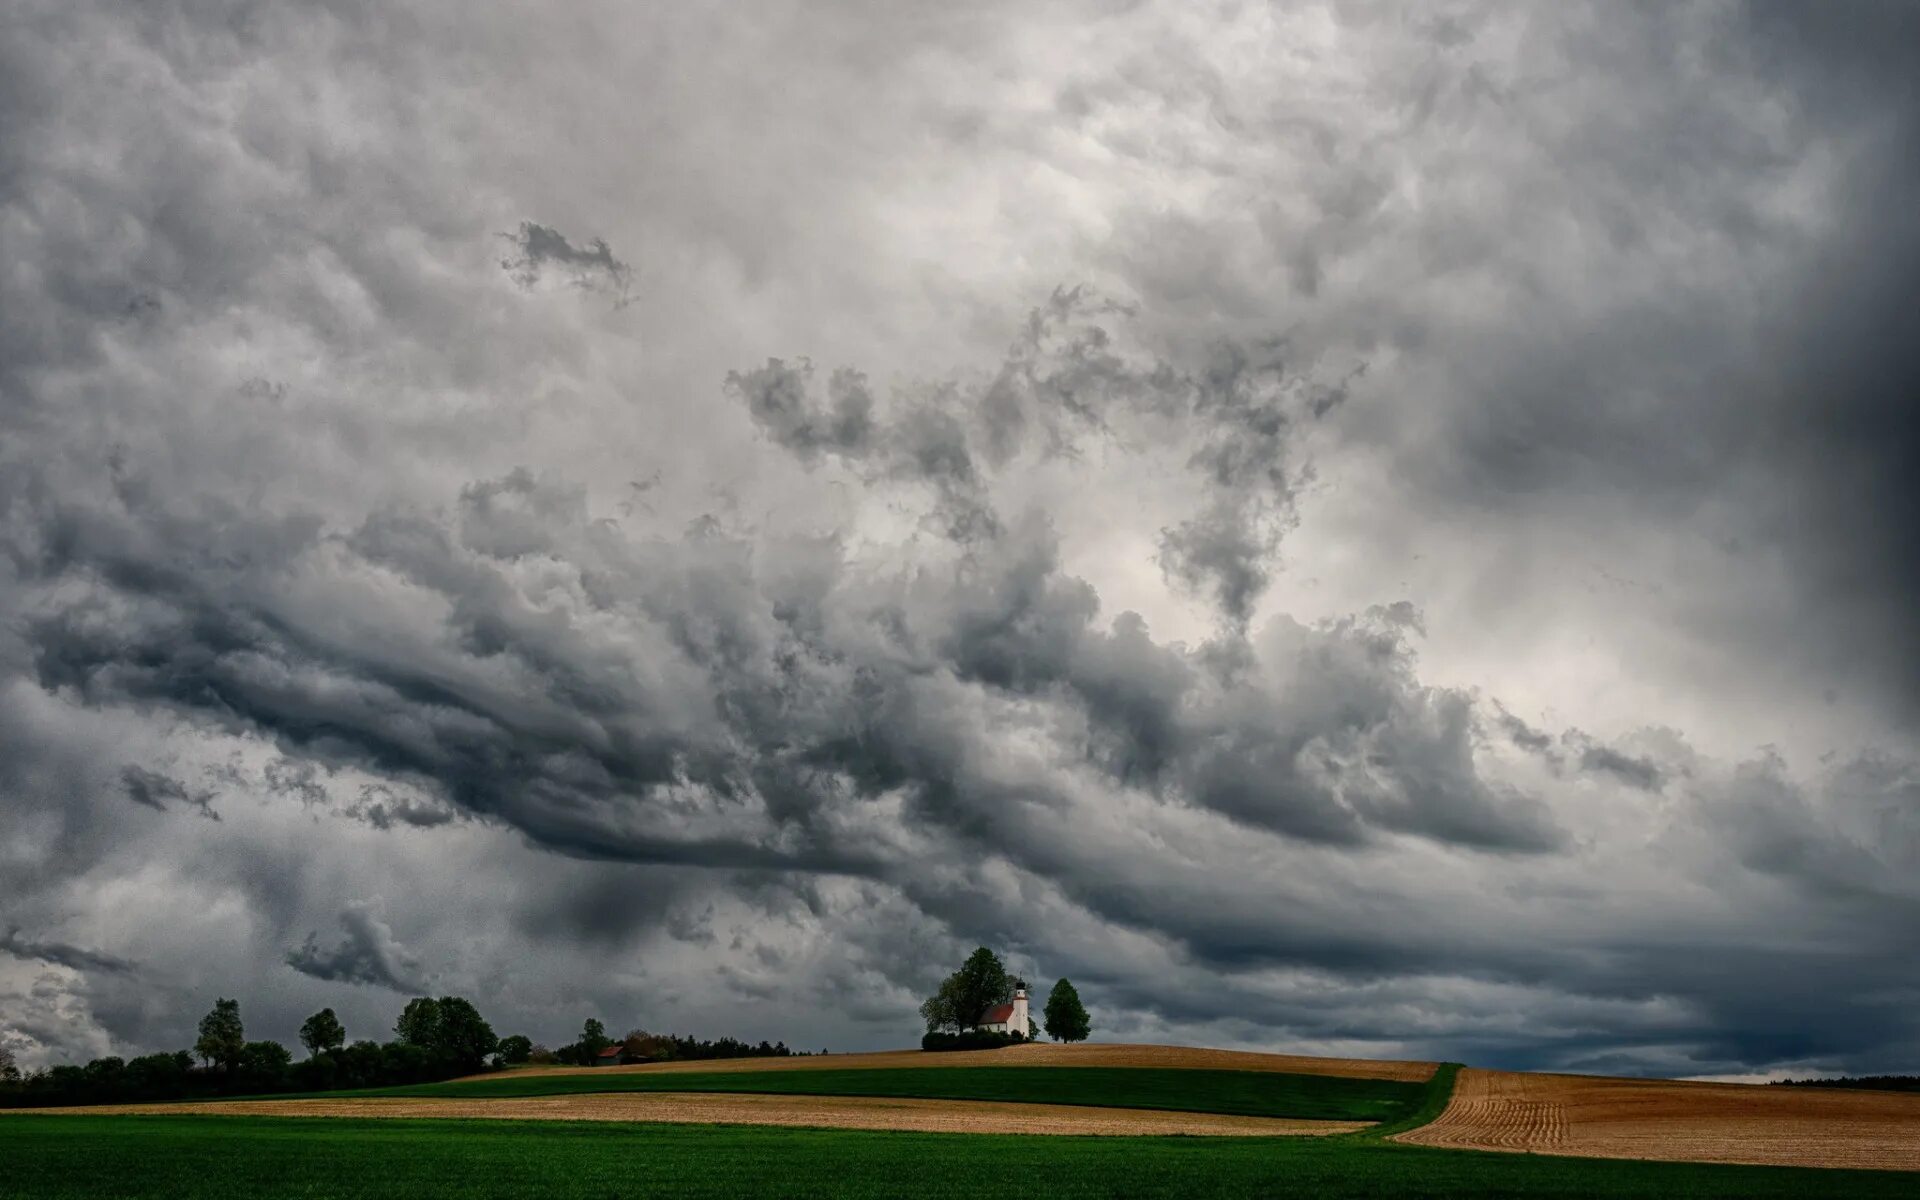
(1370, 529)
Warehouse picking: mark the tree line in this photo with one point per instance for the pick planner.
(1870, 1083)
(641, 1046)
(433, 1039)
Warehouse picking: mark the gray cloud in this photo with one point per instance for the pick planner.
(367, 952)
(779, 397)
(162, 792)
(1638, 772)
(1362, 602)
(539, 250)
(60, 953)
(384, 808)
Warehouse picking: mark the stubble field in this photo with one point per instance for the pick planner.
(1677, 1121)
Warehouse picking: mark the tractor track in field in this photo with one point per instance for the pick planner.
(1677, 1121)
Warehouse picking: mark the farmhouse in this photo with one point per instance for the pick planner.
(612, 1056)
(1010, 1017)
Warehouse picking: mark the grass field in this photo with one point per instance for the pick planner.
(1239, 1093)
(236, 1158)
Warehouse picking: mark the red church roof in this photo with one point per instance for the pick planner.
(998, 1014)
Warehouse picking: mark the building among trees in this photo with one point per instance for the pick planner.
(1009, 1016)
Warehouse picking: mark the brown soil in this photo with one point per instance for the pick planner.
(1046, 1054)
(927, 1116)
(1593, 1117)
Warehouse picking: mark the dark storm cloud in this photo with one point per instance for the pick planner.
(1638, 772)
(1249, 403)
(1843, 420)
(1068, 379)
(1575, 750)
(609, 904)
(1784, 426)
(299, 781)
(365, 952)
(1522, 734)
(384, 808)
(538, 249)
(60, 953)
(680, 702)
(162, 792)
(1221, 553)
(779, 398)
(291, 493)
(688, 702)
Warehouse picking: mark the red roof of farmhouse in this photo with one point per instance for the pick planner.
(997, 1014)
(612, 1052)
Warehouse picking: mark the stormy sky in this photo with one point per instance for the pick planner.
(1382, 529)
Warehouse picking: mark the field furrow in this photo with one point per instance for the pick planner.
(1677, 1121)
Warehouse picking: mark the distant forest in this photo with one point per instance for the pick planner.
(433, 1040)
(1870, 1083)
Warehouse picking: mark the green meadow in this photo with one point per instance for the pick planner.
(239, 1158)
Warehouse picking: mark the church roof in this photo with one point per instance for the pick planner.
(997, 1014)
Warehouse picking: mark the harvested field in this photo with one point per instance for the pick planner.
(840, 1112)
(1043, 1054)
(1677, 1121)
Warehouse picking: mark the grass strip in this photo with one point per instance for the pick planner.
(1436, 1093)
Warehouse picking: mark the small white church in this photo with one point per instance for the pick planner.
(1010, 1017)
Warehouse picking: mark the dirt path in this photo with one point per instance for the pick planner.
(1675, 1121)
(833, 1112)
(1046, 1054)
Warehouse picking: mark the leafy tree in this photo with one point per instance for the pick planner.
(515, 1049)
(106, 1071)
(419, 1023)
(1066, 1017)
(980, 983)
(160, 1076)
(593, 1038)
(264, 1064)
(641, 1046)
(362, 1064)
(463, 1037)
(322, 1032)
(222, 1036)
(404, 1062)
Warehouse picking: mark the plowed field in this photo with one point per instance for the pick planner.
(1675, 1121)
(926, 1116)
(1044, 1054)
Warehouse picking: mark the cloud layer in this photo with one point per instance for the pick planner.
(1379, 531)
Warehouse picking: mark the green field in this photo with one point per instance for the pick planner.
(1242, 1093)
(238, 1158)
